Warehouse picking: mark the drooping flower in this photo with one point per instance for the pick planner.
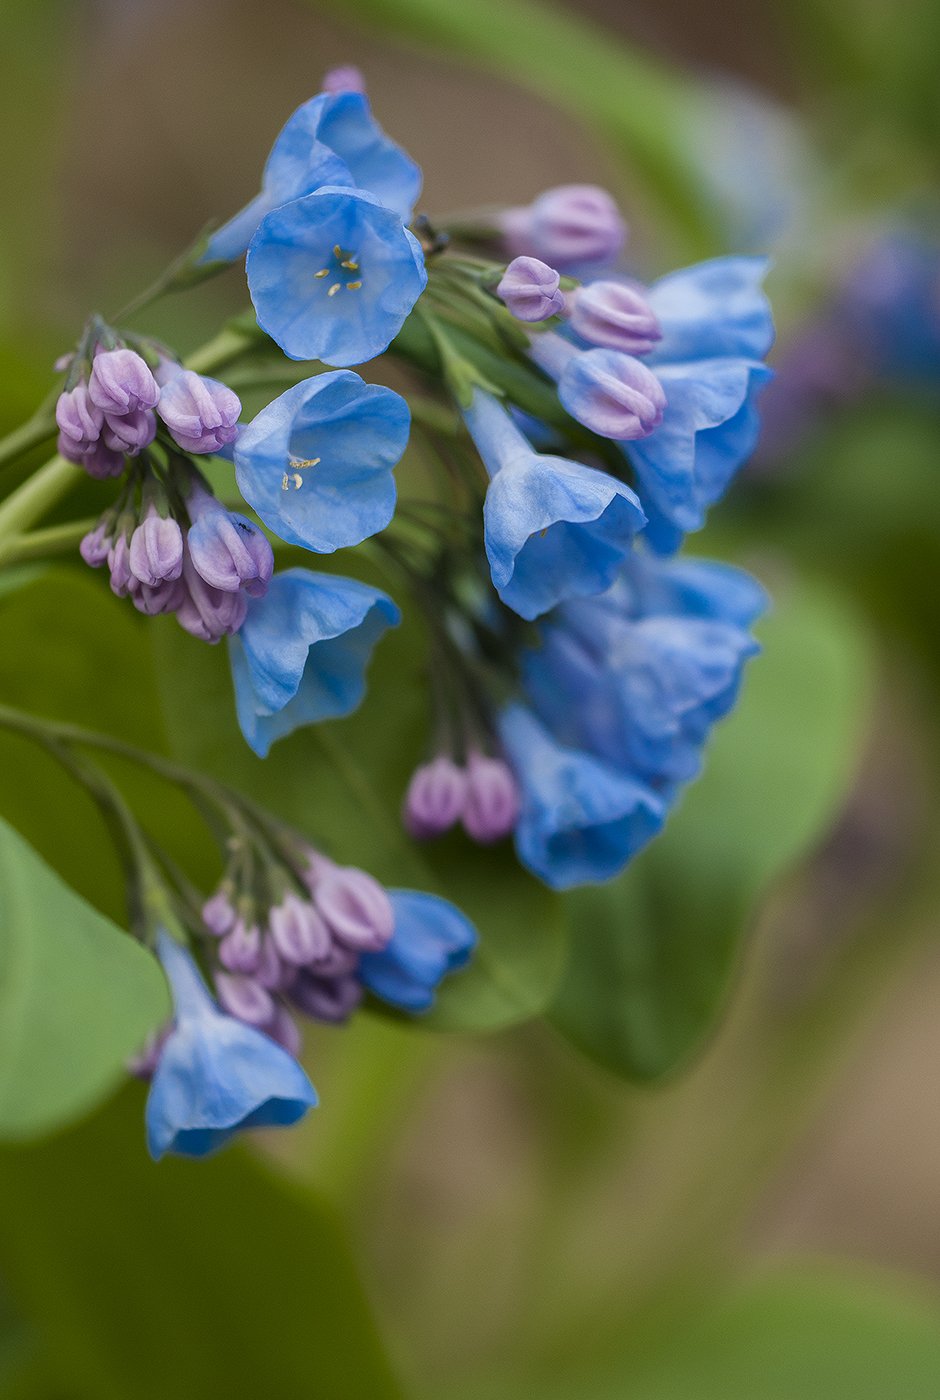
(316, 463)
(334, 275)
(553, 528)
(216, 1075)
(302, 650)
(331, 140)
(431, 938)
(581, 820)
(639, 675)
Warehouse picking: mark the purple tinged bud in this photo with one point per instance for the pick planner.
(435, 798)
(166, 597)
(298, 931)
(271, 972)
(129, 432)
(356, 908)
(226, 549)
(569, 227)
(218, 915)
(613, 394)
(337, 962)
(96, 545)
(317, 866)
(283, 1028)
(326, 998)
(492, 806)
(80, 421)
(201, 413)
(615, 315)
(205, 612)
(157, 549)
(530, 290)
(240, 949)
(346, 78)
(123, 580)
(98, 460)
(122, 383)
(245, 998)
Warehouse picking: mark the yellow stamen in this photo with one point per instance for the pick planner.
(351, 264)
(337, 251)
(334, 289)
(299, 463)
(353, 286)
(324, 272)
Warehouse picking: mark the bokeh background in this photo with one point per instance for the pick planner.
(498, 1217)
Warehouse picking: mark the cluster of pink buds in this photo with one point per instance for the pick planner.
(300, 954)
(482, 795)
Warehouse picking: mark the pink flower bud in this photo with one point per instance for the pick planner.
(492, 805)
(435, 798)
(240, 949)
(121, 382)
(245, 998)
(530, 290)
(356, 908)
(615, 315)
(298, 931)
(569, 227)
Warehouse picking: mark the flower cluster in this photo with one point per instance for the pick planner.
(576, 424)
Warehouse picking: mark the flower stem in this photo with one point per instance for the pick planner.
(35, 431)
(40, 544)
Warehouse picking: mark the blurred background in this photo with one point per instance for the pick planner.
(494, 1217)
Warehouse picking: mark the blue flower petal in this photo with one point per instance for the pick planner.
(330, 140)
(708, 430)
(306, 297)
(555, 529)
(216, 1076)
(316, 463)
(581, 820)
(432, 938)
(302, 652)
(714, 310)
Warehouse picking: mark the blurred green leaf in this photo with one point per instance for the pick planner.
(187, 1280)
(824, 1335)
(652, 952)
(77, 997)
(342, 784)
(642, 107)
(70, 650)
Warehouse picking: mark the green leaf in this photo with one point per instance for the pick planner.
(342, 783)
(652, 953)
(183, 1280)
(77, 996)
(830, 1335)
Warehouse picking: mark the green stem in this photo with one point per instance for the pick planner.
(47, 486)
(35, 431)
(40, 544)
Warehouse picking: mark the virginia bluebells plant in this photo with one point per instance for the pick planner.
(573, 423)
